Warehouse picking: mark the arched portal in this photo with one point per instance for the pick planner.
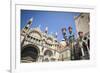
(48, 53)
(30, 53)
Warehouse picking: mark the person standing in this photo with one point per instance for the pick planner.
(81, 50)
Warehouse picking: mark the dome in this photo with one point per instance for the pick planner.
(36, 32)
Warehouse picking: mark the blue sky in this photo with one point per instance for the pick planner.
(55, 21)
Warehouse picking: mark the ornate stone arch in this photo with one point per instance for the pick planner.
(49, 40)
(48, 52)
(36, 32)
(30, 51)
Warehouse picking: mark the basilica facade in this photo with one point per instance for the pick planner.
(39, 46)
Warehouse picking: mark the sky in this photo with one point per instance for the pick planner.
(55, 21)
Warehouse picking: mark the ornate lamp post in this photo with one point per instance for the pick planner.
(71, 42)
(65, 37)
(64, 34)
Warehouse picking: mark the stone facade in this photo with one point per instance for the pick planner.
(46, 47)
(82, 22)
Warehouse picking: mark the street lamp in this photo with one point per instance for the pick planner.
(71, 42)
(64, 34)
